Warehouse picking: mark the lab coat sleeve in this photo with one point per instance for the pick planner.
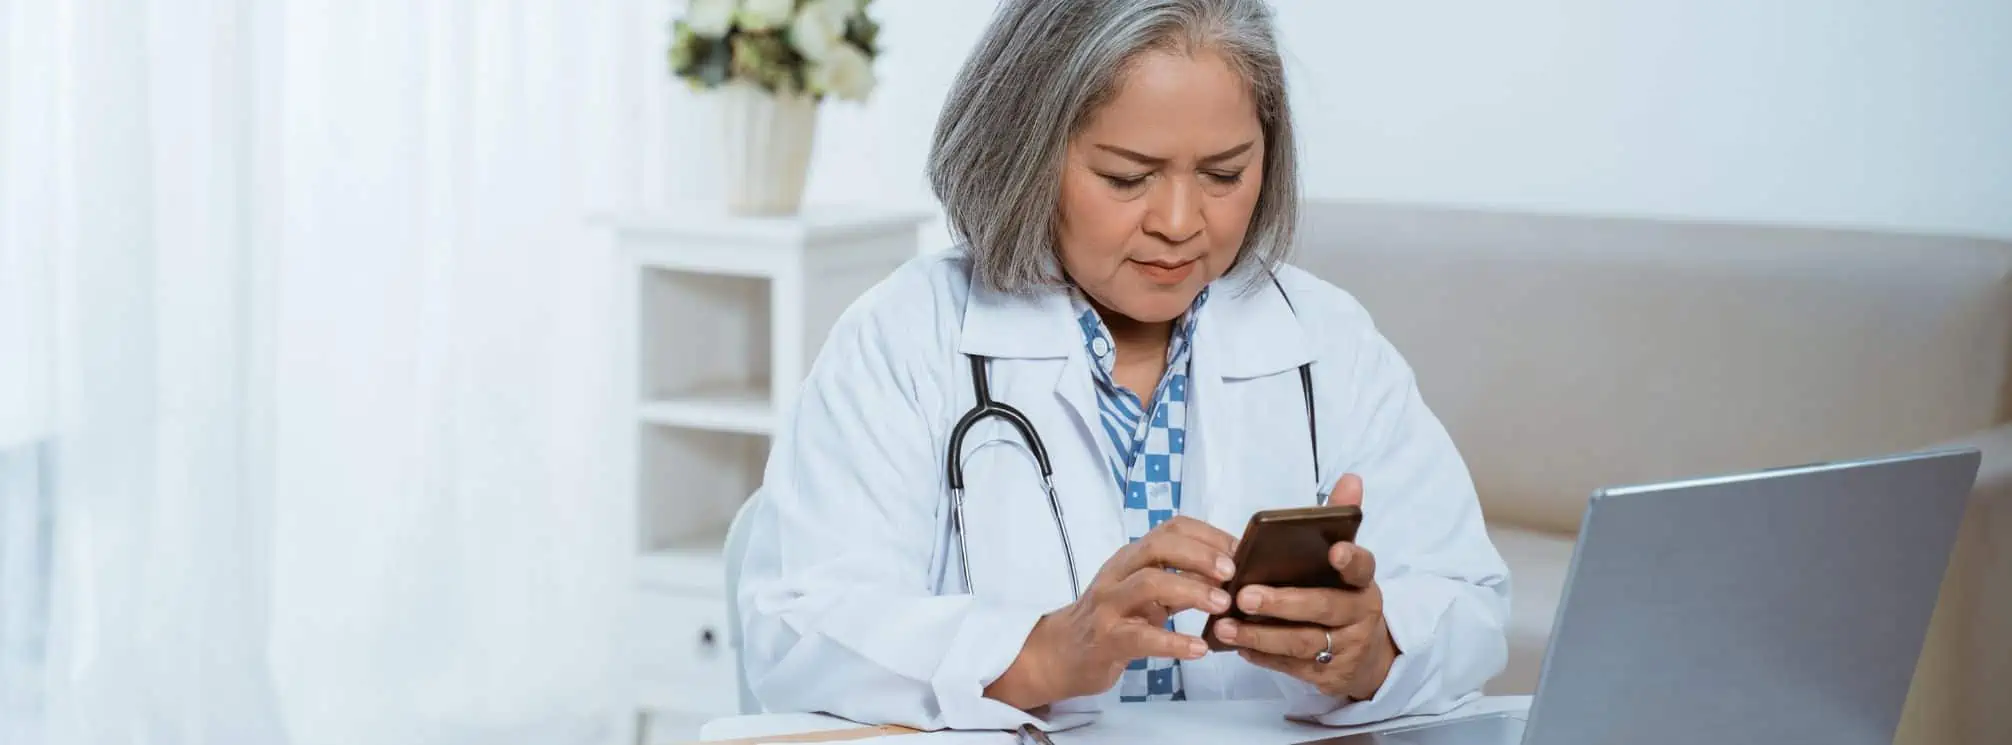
(838, 612)
(1445, 587)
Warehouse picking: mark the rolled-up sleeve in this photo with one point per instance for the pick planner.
(1445, 587)
(839, 612)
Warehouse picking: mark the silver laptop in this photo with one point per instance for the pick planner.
(1782, 606)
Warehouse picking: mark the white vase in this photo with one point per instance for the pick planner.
(765, 148)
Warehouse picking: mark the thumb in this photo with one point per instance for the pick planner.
(1347, 490)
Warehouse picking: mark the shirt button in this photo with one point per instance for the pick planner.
(1100, 347)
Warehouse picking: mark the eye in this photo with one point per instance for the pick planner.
(1230, 178)
(1123, 182)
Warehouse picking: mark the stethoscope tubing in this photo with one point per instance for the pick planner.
(986, 407)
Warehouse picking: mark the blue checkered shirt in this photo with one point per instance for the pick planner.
(1144, 453)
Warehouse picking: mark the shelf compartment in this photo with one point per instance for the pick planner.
(690, 482)
(704, 341)
(741, 409)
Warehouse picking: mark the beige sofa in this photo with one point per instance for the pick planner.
(1568, 353)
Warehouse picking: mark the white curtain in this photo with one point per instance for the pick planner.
(302, 372)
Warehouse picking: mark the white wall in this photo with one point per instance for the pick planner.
(1878, 113)
(1889, 113)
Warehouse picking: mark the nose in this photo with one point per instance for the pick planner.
(1176, 212)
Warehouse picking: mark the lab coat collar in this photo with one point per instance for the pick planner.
(1026, 326)
(1250, 332)
(1247, 332)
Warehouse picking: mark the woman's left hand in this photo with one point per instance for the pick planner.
(1347, 623)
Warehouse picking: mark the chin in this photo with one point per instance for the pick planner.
(1160, 306)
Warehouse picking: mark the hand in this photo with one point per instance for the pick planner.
(1362, 647)
(1083, 648)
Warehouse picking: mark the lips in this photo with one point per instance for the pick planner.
(1166, 274)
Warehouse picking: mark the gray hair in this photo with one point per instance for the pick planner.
(1043, 68)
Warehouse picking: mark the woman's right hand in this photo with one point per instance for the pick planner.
(1083, 648)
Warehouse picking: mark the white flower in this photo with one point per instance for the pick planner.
(841, 9)
(819, 28)
(844, 72)
(762, 15)
(710, 18)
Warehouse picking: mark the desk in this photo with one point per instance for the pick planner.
(1253, 722)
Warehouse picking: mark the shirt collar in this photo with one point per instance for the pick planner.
(1103, 351)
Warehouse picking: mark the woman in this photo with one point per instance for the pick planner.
(1121, 173)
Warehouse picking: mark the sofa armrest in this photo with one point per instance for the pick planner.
(1966, 665)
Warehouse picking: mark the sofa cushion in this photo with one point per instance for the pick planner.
(1966, 664)
(1537, 565)
(1570, 353)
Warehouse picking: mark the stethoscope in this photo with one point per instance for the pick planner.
(986, 407)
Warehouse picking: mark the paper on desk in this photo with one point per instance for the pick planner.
(1174, 723)
(944, 737)
(1252, 722)
(1059, 724)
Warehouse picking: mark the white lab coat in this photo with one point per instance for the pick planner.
(850, 592)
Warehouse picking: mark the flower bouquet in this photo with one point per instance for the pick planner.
(768, 64)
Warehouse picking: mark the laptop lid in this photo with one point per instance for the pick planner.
(1787, 605)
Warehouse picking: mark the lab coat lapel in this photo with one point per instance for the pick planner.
(1017, 556)
(1243, 334)
(1200, 474)
(1040, 366)
(1077, 390)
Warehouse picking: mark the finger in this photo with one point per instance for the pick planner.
(1180, 551)
(1347, 490)
(1168, 593)
(1135, 604)
(1136, 640)
(1356, 564)
(1316, 605)
(1299, 642)
(1209, 535)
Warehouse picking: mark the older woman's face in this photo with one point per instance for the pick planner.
(1159, 188)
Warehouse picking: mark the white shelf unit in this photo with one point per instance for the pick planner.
(742, 409)
(722, 316)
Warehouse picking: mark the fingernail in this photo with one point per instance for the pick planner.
(1225, 567)
(1251, 598)
(1197, 648)
(1342, 554)
(1226, 630)
(1219, 601)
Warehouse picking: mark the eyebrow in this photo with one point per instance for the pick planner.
(1147, 160)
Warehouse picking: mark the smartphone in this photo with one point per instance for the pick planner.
(1286, 548)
